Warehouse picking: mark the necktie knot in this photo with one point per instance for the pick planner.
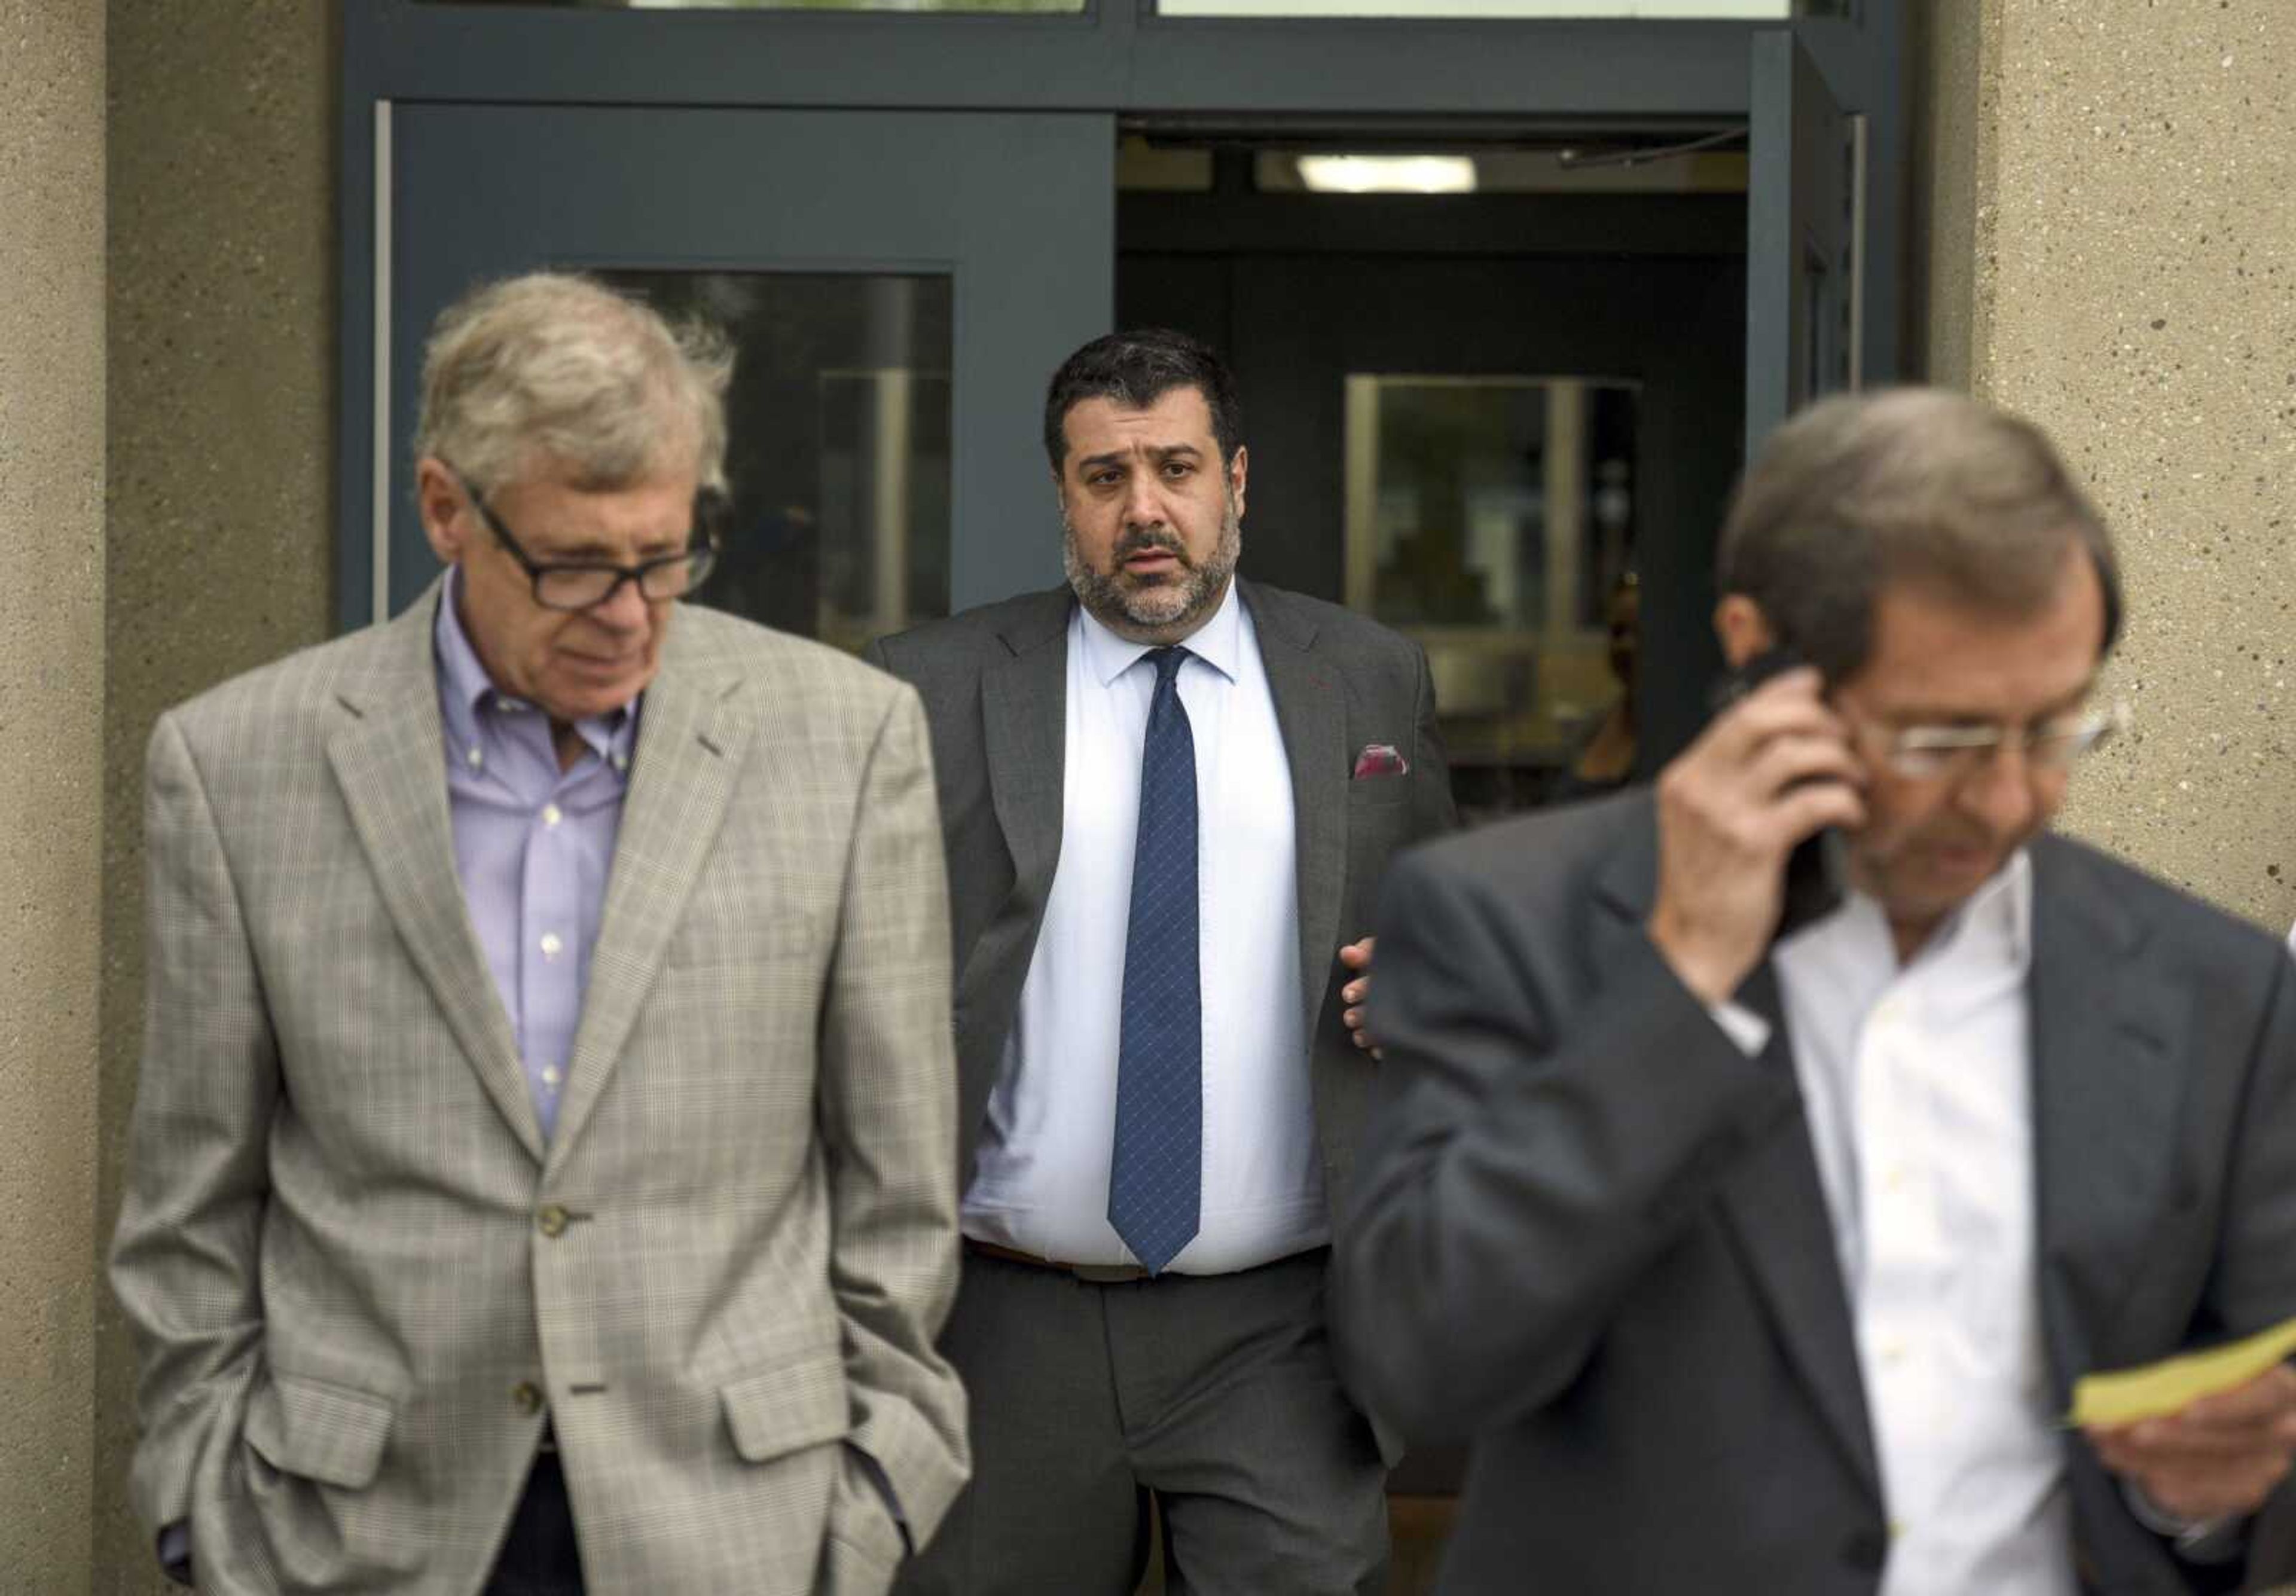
(1168, 663)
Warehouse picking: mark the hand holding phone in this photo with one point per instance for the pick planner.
(1813, 886)
(1771, 773)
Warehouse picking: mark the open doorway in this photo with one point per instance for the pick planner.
(1490, 385)
(1486, 385)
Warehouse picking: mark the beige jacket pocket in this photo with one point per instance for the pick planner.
(788, 1407)
(318, 1430)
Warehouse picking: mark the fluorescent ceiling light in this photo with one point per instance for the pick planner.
(1389, 174)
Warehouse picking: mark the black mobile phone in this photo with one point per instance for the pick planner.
(1814, 871)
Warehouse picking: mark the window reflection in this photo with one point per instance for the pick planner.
(1492, 518)
(838, 455)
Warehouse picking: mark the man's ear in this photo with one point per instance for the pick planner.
(444, 510)
(1237, 466)
(1743, 630)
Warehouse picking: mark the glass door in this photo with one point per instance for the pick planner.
(898, 287)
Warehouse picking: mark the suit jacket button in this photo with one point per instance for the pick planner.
(526, 1396)
(1865, 1549)
(553, 1221)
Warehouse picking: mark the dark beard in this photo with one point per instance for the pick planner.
(1167, 610)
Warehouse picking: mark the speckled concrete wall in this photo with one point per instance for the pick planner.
(221, 479)
(1953, 108)
(51, 719)
(2132, 287)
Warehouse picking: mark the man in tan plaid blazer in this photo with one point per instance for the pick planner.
(543, 1175)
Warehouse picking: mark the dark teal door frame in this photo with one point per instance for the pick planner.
(1117, 60)
(1005, 205)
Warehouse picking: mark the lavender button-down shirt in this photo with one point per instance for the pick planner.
(533, 845)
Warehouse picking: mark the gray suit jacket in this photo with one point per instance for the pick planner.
(348, 1252)
(994, 684)
(1623, 1280)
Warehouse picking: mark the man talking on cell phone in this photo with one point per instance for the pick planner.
(1766, 1261)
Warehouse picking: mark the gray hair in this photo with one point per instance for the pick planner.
(552, 371)
(1912, 485)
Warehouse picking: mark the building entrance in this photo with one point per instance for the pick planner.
(1499, 351)
(1495, 417)
(1476, 407)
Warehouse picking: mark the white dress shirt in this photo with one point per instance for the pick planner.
(1041, 1184)
(1916, 1080)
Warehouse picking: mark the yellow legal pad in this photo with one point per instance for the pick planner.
(2128, 1395)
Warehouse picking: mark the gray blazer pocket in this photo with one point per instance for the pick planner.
(788, 1407)
(1378, 792)
(318, 1430)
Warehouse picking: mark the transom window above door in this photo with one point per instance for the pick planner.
(1433, 11)
(1007, 7)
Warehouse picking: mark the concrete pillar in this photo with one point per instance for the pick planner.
(221, 442)
(1950, 115)
(52, 159)
(2113, 252)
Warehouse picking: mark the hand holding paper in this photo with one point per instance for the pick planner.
(2203, 1435)
(2156, 1389)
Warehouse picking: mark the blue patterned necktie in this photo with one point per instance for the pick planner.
(1156, 1173)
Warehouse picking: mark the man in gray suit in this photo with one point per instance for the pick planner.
(1758, 1226)
(1168, 794)
(541, 1176)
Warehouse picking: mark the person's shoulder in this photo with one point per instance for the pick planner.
(1331, 625)
(1536, 890)
(2174, 922)
(985, 634)
(1546, 858)
(712, 643)
(708, 638)
(298, 687)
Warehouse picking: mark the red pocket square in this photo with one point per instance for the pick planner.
(1378, 759)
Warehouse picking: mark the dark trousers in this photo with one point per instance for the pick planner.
(539, 1557)
(1216, 1395)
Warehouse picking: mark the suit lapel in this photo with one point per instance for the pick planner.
(1777, 1211)
(1311, 710)
(692, 734)
(1024, 725)
(1771, 1198)
(2105, 1096)
(389, 761)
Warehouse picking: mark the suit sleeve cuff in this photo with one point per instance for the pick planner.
(884, 1484)
(1747, 1030)
(175, 1551)
(2216, 1540)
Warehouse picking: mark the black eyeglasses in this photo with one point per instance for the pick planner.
(584, 584)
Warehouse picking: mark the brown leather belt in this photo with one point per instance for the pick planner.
(1095, 1274)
